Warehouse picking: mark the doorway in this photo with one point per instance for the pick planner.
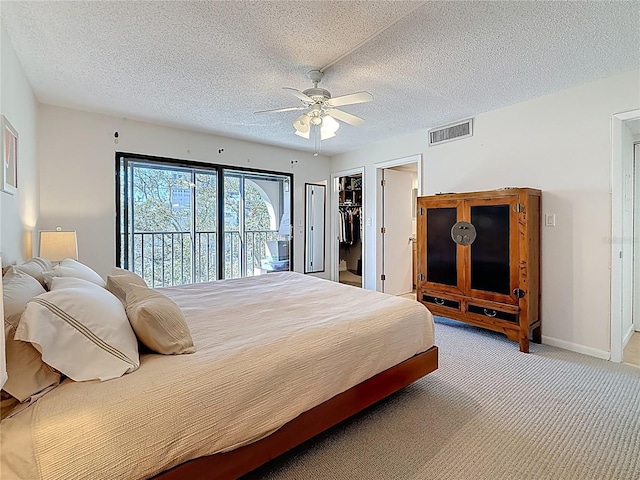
(398, 188)
(350, 229)
(631, 329)
(625, 131)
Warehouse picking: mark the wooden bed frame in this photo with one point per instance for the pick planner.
(233, 464)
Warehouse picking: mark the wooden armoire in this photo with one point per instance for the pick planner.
(479, 259)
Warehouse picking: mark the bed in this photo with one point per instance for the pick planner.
(279, 358)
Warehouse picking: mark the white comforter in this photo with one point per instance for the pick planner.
(268, 349)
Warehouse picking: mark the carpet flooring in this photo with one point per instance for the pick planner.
(632, 350)
(488, 413)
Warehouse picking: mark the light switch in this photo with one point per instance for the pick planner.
(550, 219)
(369, 223)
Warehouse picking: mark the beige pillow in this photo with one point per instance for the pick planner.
(36, 267)
(81, 330)
(158, 321)
(7, 403)
(119, 280)
(27, 373)
(72, 268)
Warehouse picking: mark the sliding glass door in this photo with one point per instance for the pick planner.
(257, 231)
(175, 219)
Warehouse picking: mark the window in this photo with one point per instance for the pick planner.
(175, 217)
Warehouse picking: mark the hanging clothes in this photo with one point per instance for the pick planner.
(349, 225)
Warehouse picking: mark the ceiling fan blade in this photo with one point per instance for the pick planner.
(352, 98)
(345, 117)
(275, 110)
(299, 94)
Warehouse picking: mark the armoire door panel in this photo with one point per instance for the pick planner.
(493, 256)
(442, 256)
(441, 261)
(489, 265)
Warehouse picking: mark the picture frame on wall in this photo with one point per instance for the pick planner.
(9, 170)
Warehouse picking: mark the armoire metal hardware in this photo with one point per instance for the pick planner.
(518, 292)
(463, 233)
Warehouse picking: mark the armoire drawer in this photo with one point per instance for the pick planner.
(493, 313)
(435, 301)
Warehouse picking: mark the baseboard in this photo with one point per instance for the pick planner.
(627, 337)
(575, 347)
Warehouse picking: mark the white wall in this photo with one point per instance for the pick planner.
(19, 212)
(559, 143)
(77, 168)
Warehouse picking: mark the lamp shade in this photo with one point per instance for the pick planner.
(58, 245)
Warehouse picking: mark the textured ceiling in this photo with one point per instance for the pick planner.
(208, 66)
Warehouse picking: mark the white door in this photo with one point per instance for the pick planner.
(397, 252)
(636, 243)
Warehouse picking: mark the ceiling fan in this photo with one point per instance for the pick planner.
(321, 109)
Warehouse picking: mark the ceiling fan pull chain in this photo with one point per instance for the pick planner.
(316, 136)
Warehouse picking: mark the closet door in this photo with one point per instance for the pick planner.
(439, 256)
(493, 256)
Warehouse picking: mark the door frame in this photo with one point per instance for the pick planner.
(417, 159)
(620, 223)
(334, 207)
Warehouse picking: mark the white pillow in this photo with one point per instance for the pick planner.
(27, 373)
(36, 267)
(18, 288)
(72, 268)
(81, 330)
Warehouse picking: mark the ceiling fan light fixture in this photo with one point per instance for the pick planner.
(326, 135)
(328, 128)
(320, 120)
(330, 124)
(301, 124)
(302, 134)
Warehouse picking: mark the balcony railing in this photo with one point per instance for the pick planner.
(165, 259)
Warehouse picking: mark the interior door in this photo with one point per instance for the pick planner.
(398, 209)
(635, 313)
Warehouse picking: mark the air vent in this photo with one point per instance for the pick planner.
(451, 132)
